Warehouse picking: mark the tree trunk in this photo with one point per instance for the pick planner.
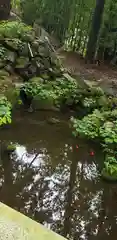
(5, 7)
(96, 24)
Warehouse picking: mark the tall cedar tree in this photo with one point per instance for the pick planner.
(96, 24)
(5, 7)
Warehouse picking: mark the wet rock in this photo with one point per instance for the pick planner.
(53, 120)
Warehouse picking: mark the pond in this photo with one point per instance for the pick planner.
(55, 179)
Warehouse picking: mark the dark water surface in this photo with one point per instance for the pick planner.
(61, 188)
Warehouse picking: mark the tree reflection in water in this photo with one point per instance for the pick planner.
(63, 192)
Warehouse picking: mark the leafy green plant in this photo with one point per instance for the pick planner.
(109, 171)
(89, 102)
(110, 168)
(61, 91)
(68, 91)
(88, 126)
(101, 125)
(109, 132)
(5, 111)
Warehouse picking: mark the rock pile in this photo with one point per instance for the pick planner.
(26, 55)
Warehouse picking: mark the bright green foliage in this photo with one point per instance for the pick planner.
(5, 111)
(60, 91)
(101, 125)
(94, 98)
(111, 168)
(89, 102)
(88, 126)
(17, 30)
(109, 132)
(109, 171)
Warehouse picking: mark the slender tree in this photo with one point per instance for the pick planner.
(5, 6)
(94, 32)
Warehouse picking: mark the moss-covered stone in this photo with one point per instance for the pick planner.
(37, 80)
(22, 62)
(3, 73)
(43, 104)
(108, 177)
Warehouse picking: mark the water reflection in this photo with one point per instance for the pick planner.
(61, 188)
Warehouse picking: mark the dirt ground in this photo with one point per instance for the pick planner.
(104, 76)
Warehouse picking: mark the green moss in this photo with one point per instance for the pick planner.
(15, 29)
(21, 62)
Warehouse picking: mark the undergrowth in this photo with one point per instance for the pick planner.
(60, 91)
(101, 125)
(5, 111)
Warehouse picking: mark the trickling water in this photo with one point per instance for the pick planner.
(53, 178)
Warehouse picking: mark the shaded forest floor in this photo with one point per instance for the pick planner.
(104, 75)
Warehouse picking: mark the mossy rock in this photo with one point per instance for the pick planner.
(12, 95)
(14, 44)
(45, 76)
(22, 62)
(11, 56)
(37, 80)
(3, 74)
(43, 104)
(6, 84)
(108, 177)
(103, 101)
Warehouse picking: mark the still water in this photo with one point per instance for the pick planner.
(52, 178)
